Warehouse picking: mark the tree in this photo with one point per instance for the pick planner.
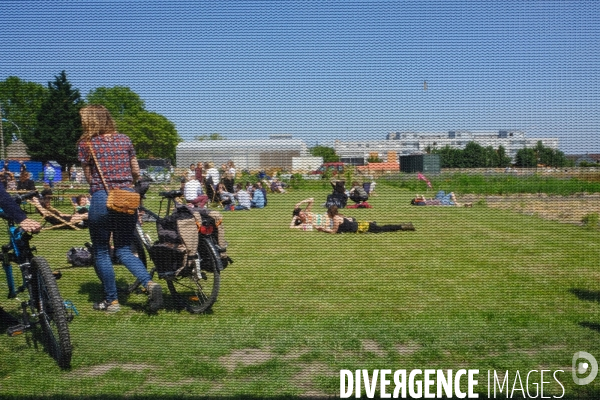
(502, 160)
(20, 101)
(119, 100)
(212, 136)
(328, 153)
(152, 135)
(526, 158)
(474, 155)
(58, 124)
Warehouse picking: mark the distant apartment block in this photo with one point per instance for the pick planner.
(407, 143)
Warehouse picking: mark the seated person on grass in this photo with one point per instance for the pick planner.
(225, 197)
(343, 224)
(358, 193)
(243, 198)
(258, 198)
(81, 204)
(25, 182)
(193, 194)
(76, 219)
(277, 186)
(306, 220)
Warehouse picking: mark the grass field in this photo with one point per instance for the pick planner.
(476, 288)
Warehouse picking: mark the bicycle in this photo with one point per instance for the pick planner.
(45, 306)
(195, 286)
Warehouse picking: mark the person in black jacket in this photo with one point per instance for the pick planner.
(25, 182)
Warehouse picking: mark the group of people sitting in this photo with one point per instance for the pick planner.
(238, 198)
(358, 194)
(334, 222)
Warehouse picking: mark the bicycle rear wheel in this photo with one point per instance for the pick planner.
(52, 314)
(197, 293)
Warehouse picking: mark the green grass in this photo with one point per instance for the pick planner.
(474, 288)
(495, 184)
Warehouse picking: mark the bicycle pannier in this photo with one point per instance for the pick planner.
(167, 257)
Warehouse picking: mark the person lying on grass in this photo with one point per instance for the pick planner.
(343, 224)
(441, 199)
(305, 219)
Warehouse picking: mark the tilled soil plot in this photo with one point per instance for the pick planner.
(567, 209)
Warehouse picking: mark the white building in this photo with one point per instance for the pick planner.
(406, 143)
(252, 154)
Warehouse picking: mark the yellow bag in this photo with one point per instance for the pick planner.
(363, 226)
(123, 201)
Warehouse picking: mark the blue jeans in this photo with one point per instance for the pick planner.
(102, 223)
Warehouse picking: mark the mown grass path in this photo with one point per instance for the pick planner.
(476, 288)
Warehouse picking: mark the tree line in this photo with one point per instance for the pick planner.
(50, 126)
(476, 156)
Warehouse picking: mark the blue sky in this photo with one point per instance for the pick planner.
(326, 70)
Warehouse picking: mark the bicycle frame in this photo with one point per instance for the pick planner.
(18, 251)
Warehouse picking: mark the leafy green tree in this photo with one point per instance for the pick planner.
(20, 101)
(328, 153)
(502, 160)
(212, 136)
(526, 158)
(550, 157)
(58, 124)
(119, 100)
(474, 155)
(152, 135)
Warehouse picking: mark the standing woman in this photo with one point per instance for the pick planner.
(198, 172)
(116, 159)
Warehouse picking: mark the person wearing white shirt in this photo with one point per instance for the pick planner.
(231, 168)
(212, 172)
(243, 198)
(192, 191)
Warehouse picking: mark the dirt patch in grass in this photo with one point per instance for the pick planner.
(372, 346)
(303, 380)
(407, 349)
(99, 370)
(566, 209)
(245, 357)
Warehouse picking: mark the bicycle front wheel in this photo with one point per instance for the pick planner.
(51, 310)
(198, 291)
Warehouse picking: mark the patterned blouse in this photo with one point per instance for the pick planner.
(114, 155)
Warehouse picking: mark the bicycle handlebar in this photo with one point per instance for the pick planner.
(25, 196)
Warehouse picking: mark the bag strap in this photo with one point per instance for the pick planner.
(98, 167)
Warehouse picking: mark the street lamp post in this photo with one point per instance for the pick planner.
(2, 155)
(2, 148)
(16, 126)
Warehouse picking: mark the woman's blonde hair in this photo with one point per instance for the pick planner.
(95, 120)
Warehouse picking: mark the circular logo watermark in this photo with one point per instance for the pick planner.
(581, 367)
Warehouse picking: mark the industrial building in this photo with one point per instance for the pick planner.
(252, 154)
(407, 143)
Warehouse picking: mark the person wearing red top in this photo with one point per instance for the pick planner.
(116, 159)
(198, 172)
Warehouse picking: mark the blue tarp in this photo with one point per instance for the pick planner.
(33, 167)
